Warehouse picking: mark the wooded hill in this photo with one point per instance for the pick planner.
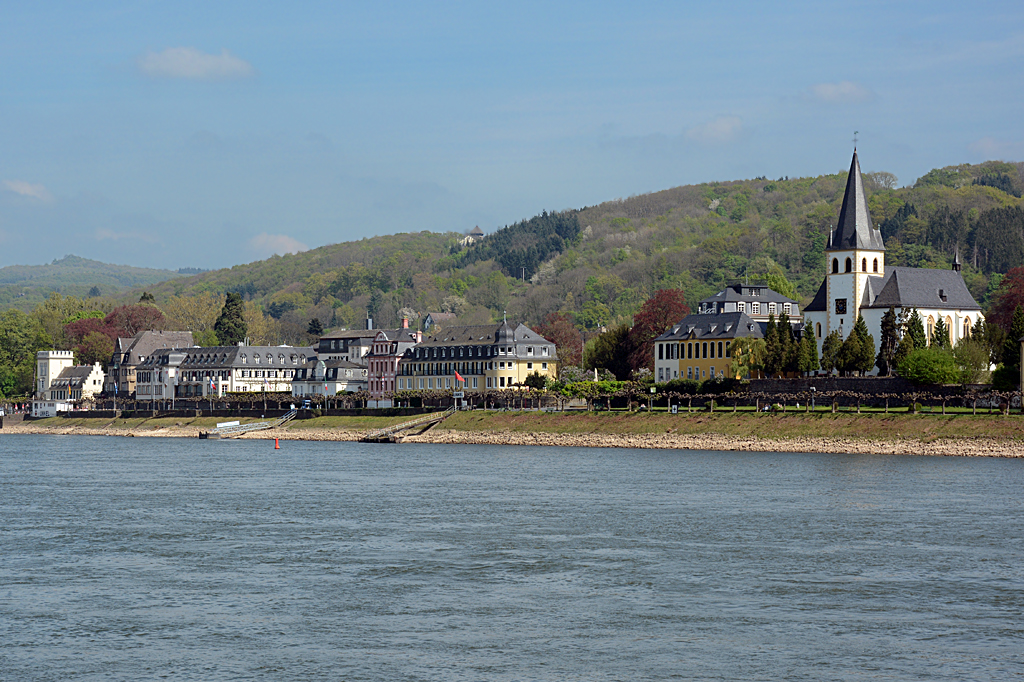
(600, 263)
(26, 286)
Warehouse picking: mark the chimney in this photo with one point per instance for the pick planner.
(405, 323)
(369, 322)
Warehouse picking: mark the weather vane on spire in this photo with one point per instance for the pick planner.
(855, 133)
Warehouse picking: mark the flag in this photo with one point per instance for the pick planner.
(458, 377)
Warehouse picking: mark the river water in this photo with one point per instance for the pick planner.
(181, 559)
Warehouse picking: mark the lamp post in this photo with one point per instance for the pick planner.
(813, 392)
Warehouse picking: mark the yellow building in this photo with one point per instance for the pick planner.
(485, 356)
(700, 346)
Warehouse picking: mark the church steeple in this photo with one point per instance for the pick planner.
(956, 259)
(855, 230)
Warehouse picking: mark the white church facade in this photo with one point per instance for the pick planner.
(858, 282)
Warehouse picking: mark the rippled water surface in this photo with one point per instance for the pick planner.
(154, 558)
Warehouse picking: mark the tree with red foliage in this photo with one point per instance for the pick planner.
(79, 329)
(660, 312)
(128, 320)
(95, 347)
(559, 329)
(1009, 295)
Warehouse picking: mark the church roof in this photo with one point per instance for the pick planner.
(820, 302)
(924, 288)
(855, 230)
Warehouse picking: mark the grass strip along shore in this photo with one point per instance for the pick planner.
(955, 434)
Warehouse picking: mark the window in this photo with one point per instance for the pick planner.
(835, 265)
(819, 330)
(849, 265)
(875, 265)
(967, 328)
(529, 365)
(256, 358)
(787, 308)
(661, 351)
(840, 306)
(741, 307)
(712, 371)
(689, 351)
(545, 351)
(244, 359)
(489, 382)
(689, 372)
(755, 308)
(474, 382)
(863, 264)
(543, 366)
(771, 309)
(720, 349)
(705, 348)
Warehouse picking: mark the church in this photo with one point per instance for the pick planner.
(857, 281)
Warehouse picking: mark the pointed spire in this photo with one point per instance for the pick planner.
(830, 231)
(956, 259)
(855, 230)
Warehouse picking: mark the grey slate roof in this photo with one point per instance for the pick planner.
(924, 288)
(855, 230)
(145, 342)
(820, 302)
(720, 326)
(483, 334)
(73, 376)
(735, 292)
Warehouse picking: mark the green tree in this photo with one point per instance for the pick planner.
(850, 353)
(930, 366)
(609, 351)
(889, 342)
(903, 350)
(20, 337)
(830, 350)
(230, 325)
(940, 334)
(747, 355)
(971, 357)
(147, 298)
(315, 328)
(864, 360)
(914, 327)
(535, 381)
(774, 352)
(1011, 346)
(808, 353)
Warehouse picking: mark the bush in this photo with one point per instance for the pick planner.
(719, 385)
(1006, 378)
(930, 366)
(684, 386)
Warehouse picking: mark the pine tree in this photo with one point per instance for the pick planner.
(940, 334)
(903, 350)
(864, 360)
(808, 353)
(848, 358)
(830, 352)
(889, 342)
(772, 349)
(915, 328)
(230, 325)
(315, 328)
(1011, 347)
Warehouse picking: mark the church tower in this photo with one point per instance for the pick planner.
(854, 253)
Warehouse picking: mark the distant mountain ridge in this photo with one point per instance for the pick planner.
(24, 286)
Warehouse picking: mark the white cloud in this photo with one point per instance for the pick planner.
(267, 244)
(719, 131)
(843, 92)
(992, 148)
(190, 63)
(27, 189)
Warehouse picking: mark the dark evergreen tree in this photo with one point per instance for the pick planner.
(1011, 346)
(864, 360)
(903, 351)
(830, 352)
(808, 353)
(940, 334)
(889, 342)
(315, 328)
(146, 297)
(848, 358)
(230, 326)
(914, 327)
(773, 350)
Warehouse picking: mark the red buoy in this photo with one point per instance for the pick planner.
(277, 446)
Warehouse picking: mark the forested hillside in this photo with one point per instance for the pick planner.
(26, 286)
(600, 263)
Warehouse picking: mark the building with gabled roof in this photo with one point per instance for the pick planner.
(699, 346)
(857, 281)
(130, 352)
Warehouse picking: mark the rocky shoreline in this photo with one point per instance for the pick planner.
(968, 447)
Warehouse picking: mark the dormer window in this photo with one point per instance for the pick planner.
(741, 306)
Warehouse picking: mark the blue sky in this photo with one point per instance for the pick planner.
(211, 134)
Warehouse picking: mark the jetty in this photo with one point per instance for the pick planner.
(235, 430)
(389, 434)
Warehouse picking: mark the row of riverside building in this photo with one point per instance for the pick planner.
(157, 367)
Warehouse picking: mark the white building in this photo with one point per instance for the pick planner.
(329, 378)
(49, 365)
(857, 281)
